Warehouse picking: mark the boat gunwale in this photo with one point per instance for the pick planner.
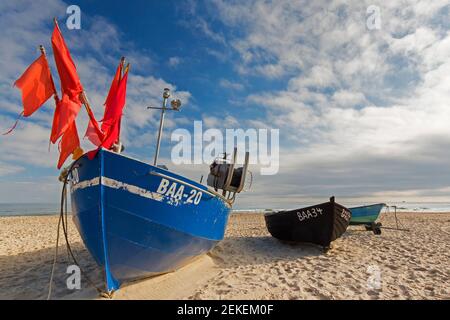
(302, 208)
(192, 182)
(370, 205)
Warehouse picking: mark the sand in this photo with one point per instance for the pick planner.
(248, 264)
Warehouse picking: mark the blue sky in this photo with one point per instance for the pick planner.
(363, 114)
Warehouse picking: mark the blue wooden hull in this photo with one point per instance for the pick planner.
(136, 222)
(366, 214)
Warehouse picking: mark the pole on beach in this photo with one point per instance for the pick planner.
(395, 214)
(397, 228)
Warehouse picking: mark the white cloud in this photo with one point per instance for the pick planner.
(361, 113)
(174, 61)
(96, 50)
(320, 76)
(358, 104)
(212, 122)
(348, 99)
(224, 83)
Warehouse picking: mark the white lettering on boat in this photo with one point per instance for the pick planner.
(310, 213)
(163, 186)
(346, 215)
(175, 193)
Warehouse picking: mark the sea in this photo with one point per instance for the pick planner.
(31, 209)
(401, 207)
(28, 209)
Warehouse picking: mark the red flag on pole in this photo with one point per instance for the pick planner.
(70, 82)
(36, 85)
(71, 87)
(93, 131)
(113, 113)
(115, 83)
(70, 143)
(65, 113)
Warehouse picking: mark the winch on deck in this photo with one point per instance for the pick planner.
(223, 175)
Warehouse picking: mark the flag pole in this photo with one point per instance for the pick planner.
(55, 93)
(124, 71)
(55, 21)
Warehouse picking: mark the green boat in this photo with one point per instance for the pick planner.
(367, 215)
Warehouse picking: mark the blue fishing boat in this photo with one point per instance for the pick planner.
(367, 215)
(138, 220)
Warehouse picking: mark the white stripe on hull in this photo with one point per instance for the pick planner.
(132, 189)
(86, 184)
(115, 184)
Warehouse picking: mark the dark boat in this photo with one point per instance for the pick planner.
(320, 224)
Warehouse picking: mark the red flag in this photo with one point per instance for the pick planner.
(70, 82)
(113, 113)
(114, 83)
(65, 113)
(93, 131)
(70, 143)
(54, 135)
(36, 84)
(68, 107)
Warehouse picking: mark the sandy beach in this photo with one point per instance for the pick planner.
(248, 264)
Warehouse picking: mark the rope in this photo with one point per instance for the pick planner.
(54, 260)
(398, 224)
(14, 125)
(63, 220)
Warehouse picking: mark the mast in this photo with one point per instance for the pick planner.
(175, 106)
(166, 96)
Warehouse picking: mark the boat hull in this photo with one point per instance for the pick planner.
(320, 224)
(138, 220)
(366, 214)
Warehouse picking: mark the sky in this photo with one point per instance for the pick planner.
(363, 113)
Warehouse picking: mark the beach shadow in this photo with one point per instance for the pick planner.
(27, 275)
(239, 251)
